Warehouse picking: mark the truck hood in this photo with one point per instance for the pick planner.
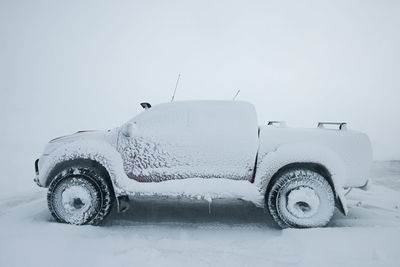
(78, 134)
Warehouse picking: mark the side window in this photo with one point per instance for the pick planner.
(162, 119)
(224, 120)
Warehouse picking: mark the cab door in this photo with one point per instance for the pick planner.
(193, 139)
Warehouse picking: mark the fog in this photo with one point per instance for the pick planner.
(74, 65)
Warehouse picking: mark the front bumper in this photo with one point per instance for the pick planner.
(36, 179)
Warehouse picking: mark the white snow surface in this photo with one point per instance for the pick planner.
(160, 231)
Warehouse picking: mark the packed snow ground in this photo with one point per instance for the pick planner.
(173, 232)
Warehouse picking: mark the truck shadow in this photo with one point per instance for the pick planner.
(229, 212)
(156, 210)
(176, 212)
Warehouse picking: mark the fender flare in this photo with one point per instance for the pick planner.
(270, 163)
(101, 152)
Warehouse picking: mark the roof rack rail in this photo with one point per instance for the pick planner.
(278, 123)
(342, 125)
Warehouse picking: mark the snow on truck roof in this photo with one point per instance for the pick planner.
(222, 116)
(222, 108)
(225, 103)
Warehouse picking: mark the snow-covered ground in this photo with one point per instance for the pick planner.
(173, 232)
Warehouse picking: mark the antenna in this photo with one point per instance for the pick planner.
(176, 86)
(236, 95)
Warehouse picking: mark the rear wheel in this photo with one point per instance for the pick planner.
(80, 195)
(300, 198)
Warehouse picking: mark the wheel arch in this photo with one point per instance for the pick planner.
(320, 169)
(108, 163)
(319, 157)
(84, 162)
(73, 162)
(100, 153)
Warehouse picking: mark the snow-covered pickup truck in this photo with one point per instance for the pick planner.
(205, 150)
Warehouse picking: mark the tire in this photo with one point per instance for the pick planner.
(80, 194)
(300, 198)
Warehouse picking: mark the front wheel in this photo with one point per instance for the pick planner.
(80, 195)
(300, 198)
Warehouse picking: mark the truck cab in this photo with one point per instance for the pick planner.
(192, 139)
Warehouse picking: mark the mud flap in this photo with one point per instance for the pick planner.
(366, 186)
(122, 203)
(341, 202)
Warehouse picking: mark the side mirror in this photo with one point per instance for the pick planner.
(145, 105)
(129, 129)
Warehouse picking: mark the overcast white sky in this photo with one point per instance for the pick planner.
(73, 65)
